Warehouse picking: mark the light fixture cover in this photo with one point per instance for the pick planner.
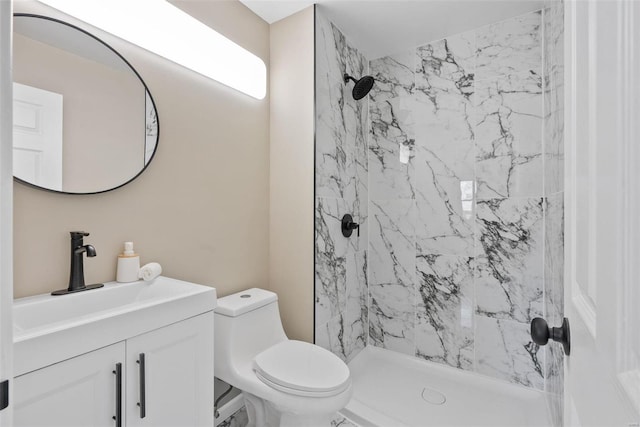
(161, 28)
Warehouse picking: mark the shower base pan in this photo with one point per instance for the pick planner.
(392, 389)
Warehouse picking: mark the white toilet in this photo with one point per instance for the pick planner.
(284, 382)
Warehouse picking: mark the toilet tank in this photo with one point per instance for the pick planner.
(246, 323)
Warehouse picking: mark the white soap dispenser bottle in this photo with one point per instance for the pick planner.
(128, 264)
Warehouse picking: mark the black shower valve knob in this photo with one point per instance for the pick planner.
(348, 225)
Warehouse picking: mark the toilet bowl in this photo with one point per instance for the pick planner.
(284, 382)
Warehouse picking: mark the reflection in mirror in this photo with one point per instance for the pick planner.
(84, 121)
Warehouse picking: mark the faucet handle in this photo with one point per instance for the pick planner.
(76, 234)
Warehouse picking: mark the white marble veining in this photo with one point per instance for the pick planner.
(345, 333)
(359, 205)
(394, 76)
(340, 121)
(392, 317)
(444, 329)
(330, 335)
(392, 275)
(331, 155)
(392, 242)
(356, 115)
(445, 153)
(331, 259)
(476, 113)
(391, 149)
(445, 225)
(356, 317)
(509, 46)
(553, 47)
(509, 278)
(553, 72)
(341, 188)
(504, 350)
(554, 257)
(508, 136)
(453, 167)
(446, 65)
(554, 152)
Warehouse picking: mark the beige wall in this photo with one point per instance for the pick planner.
(103, 113)
(292, 171)
(201, 208)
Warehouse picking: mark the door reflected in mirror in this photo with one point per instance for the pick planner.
(84, 121)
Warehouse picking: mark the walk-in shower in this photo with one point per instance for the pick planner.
(449, 163)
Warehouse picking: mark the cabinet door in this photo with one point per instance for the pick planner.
(77, 392)
(178, 375)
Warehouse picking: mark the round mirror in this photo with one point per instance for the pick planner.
(84, 121)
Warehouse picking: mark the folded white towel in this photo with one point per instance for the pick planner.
(150, 271)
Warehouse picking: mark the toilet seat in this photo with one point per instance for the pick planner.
(302, 369)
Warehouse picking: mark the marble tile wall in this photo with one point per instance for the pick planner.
(456, 175)
(456, 202)
(341, 296)
(553, 71)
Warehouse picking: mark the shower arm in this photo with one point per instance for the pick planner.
(347, 77)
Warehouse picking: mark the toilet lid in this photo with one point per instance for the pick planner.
(297, 365)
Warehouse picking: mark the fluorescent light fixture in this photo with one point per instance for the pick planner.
(161, 28)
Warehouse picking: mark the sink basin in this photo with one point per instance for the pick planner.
(48, 329)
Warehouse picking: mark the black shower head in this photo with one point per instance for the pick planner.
(361, 87)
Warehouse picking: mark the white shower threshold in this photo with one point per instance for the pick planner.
(393, 389)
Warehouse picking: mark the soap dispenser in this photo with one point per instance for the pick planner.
(128, 264)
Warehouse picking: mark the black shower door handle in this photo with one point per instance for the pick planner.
(541, 333)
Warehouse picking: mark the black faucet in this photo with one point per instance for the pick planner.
(76, 277)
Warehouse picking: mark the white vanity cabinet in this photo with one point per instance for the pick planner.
(177, 376)
(166, 380)
(78, 392)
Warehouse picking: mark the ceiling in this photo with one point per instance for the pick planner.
(274, 10)
(381, 27)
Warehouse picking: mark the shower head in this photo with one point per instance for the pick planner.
(361, 87)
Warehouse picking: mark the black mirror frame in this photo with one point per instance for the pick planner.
(32, 15)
